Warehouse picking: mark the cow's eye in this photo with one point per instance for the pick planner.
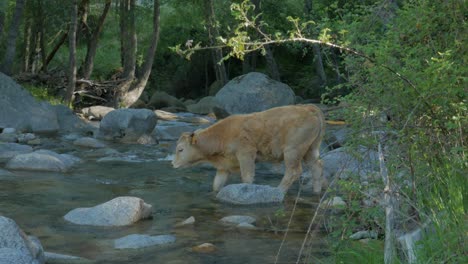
(180, 150)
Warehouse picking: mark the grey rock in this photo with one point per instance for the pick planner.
(172, 132)
(5, 173)
(188, 221)
(43, 160)
(162, 99)
(24, 113)
(24, 138)
(16, 247)
(339, 161)
(334, 203)
(204, 106)
(244, 193)
(254, 92)
(127, 125)
(96, 112)
(120, 211)
(9, 130)
(238, 219)
(89, 142)
(163, 115)
(363, 235)
(11, 138)
(140, 241)
(9, 150)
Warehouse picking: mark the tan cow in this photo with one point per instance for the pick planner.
(289, 133)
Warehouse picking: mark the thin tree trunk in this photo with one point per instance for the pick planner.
(271, 65)
(72, 59)
(389, 246)
(42, 45)
(213, 33)
(93, 43)
(7, 65)
(3, 7)
(128, 38)
(318, 60)
(54, 50)
(131, 96)
(27, 45)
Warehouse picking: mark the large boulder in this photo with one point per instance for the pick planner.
(162, 99)
(24, 113)
(43, 160)
(127, 125)
(204, 106)
(254, 92)
(120, 211)
(244, 193)
(16, 247)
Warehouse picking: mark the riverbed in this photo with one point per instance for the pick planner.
(37, 201)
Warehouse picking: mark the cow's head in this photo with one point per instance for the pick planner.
(186, 152)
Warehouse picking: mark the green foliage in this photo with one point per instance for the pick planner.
(42, 93)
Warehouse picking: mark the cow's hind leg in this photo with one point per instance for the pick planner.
(313, 162)
(292, 163)
(220, 179)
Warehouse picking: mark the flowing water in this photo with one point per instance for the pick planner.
(37, 201)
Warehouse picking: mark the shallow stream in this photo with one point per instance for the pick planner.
(37, 201)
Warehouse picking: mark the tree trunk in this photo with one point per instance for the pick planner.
(72, 59)
(27, 46)
(318, 61)
(12, 36)
(271, 65)
(3, 7)
(93, 43)
(128, 38)
(54, 50)
(132, 89)
(213, 33)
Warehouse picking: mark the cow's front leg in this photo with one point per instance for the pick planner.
(247, 165)
(220, 179)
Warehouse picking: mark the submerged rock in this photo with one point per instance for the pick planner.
(188, 221)
(43, 160)
(238, 219)
(204, 248)
(89, 143)
(140, 241)
(120, 211)
(16, 247)
(244, 193)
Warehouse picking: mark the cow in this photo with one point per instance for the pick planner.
(287, 133)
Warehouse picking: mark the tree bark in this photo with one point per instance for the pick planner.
(3, 7)
(128, 38)
(72, 59)
(318, 61)
(7, 65)
(271, 65)
(213, 33)
(54, 50)
(132, 89)
(93, 43)
(27, 45)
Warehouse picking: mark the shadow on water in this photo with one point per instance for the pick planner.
(37, 201)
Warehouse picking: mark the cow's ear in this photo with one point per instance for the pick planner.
(193, 140)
